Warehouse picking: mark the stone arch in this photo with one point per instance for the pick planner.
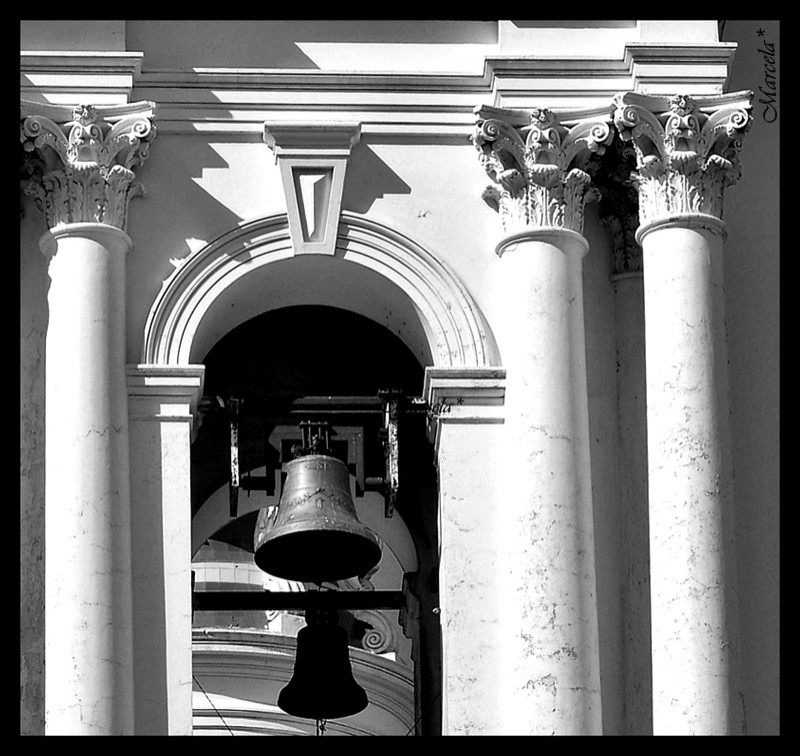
(376, 271)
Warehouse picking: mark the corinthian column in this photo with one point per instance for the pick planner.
(547, 655)
(81, 172)
(687, 154)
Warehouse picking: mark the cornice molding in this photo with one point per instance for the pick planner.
(471, 396)
(687, 149)
(79, 162)
(166, 393)
(407, 105)
(694, 68)
(538, 164)
(97, 78)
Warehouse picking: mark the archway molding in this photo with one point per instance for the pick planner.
(376, 271)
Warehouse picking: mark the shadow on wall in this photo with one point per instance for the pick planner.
(196, 193)
(34, 316)
(279, 43)
(177, 209)
(368, 178)
(239, 44)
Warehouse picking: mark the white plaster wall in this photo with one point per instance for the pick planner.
(197, 189)
(73, 35)
(439, 45)
(376, 45)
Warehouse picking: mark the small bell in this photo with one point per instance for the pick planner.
(314, 534)
(322, 685)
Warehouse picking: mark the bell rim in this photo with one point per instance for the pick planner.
(271, 557)
(309, 713)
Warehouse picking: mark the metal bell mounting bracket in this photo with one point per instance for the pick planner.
(390, 404)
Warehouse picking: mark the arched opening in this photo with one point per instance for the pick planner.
(391, 282)
(242, 658)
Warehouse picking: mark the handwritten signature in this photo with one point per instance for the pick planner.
(770, 71)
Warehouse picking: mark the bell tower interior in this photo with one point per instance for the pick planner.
(282, 370)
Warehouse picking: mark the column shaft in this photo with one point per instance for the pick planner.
(88, 675)
(693, 572)
(551, 664)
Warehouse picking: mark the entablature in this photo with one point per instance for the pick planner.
(388, 104)
(231, 101)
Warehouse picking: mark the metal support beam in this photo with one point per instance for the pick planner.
(209, 601)
(389, 405)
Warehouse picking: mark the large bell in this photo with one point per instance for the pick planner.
(322, 686)
(314, 534)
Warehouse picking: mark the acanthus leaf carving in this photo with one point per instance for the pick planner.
(537, 168)
(619, 205)
(86, 160)
(687, 150)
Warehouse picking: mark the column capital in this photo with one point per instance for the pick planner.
(79, 162)
(537, 161)
(687, 150)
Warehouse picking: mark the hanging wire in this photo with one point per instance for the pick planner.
(212, 704)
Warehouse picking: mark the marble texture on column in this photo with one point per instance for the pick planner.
(687, 154)
(551, 664)
(694, 609)
(539, 164)
(88, 676)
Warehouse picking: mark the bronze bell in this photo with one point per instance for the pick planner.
(314, 534)
(322, 685)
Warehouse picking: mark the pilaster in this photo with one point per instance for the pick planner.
(163, 410)
(466, 425)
